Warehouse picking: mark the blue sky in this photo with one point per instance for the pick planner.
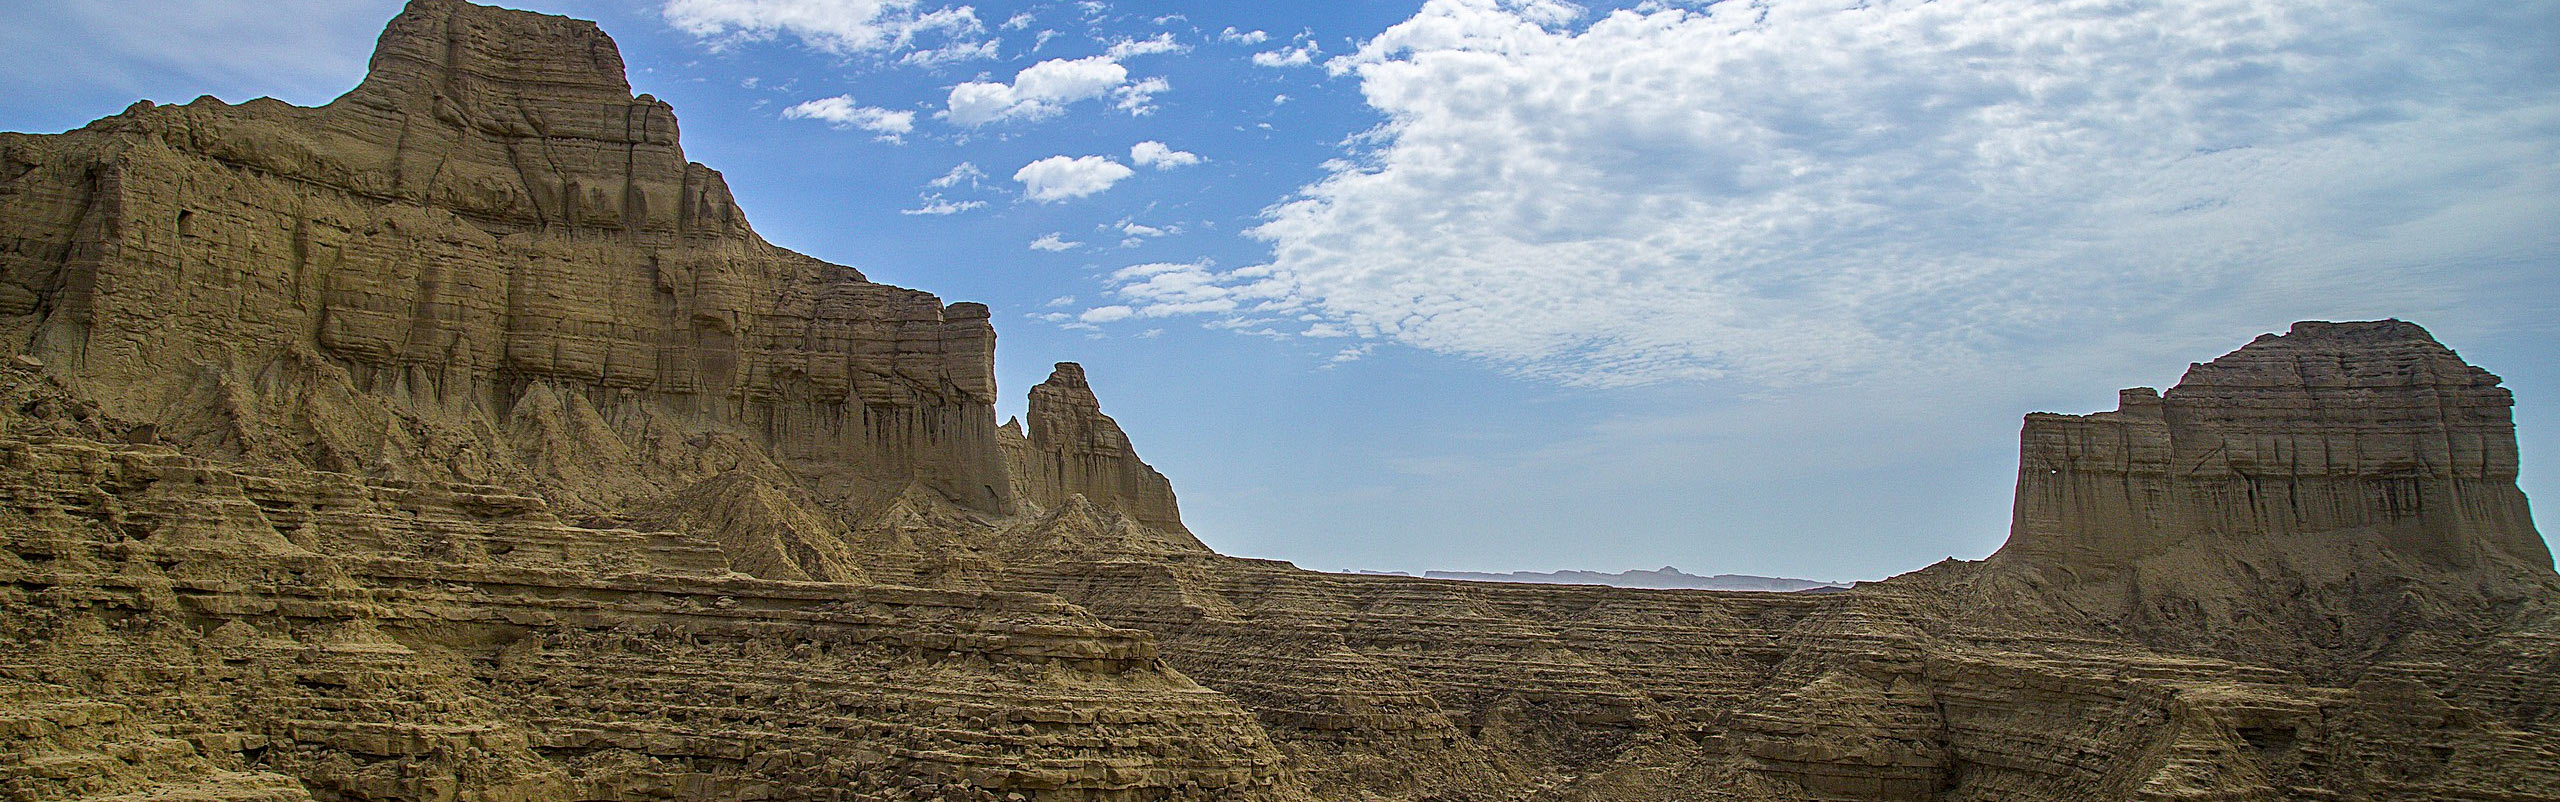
(1756, 287)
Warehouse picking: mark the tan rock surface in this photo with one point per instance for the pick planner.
(460, 440)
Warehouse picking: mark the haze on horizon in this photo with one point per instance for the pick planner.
(1498, 285)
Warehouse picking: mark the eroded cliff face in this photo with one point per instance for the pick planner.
(1073, 455)
(490, 263)
(459, 440)
(2331, 491)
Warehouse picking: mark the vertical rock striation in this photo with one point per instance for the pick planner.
(2368, 430)
(2318, 498)
(1072, 450)
(488, 262)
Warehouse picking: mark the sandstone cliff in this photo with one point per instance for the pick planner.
(460, 440)
(2329, 491)
(490, 263)
(1072, 451)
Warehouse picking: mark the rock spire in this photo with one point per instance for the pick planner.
(1072, 449)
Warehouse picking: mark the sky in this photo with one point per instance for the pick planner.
(1737, 287)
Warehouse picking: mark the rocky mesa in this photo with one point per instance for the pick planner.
(460, 440)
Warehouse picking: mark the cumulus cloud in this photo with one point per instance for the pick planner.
(1302, 54)
(1053, 242)
(1777, 193)
(1137, 229)
(1043, 90)
(835, 26)
(1134, 233)
(1165, 289)
(1160, 43)
(1062, 177)
(840, 111)
(1242, 37)
(935, 205)
(1157, 155)
(1137, 98)
(953, 53)
(962, 173)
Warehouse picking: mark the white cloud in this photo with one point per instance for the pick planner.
(1017, 22)
(1157, 155)
(953, 53)
(1242, 37)
(1054, 243)
(1061, 177)
(835, 26)
(1778, 193)
(935, 205)
(1043, 90)
(840, 111)
(1105, 314)
(1136, 229)
(1160, 43)
(1135, 98)
(1164, 289)
(1302, 54)
(962, 173)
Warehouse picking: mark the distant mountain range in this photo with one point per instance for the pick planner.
(1664, 577)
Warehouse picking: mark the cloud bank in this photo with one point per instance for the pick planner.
(1783, 192)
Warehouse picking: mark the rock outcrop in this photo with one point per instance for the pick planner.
(2325, 492)
(1071, 449)
(2369, 430)
(460, 440)
(488, 263)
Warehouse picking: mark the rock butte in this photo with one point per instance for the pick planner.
(460, 440)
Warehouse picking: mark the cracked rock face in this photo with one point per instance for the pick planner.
(460, 440)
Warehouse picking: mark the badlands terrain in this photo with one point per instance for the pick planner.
(460, 440)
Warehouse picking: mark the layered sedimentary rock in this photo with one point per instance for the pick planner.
(1071, 449)
(2325, 492)
(459, 440)
(489, 262)
(176, 625)
(2331, 428)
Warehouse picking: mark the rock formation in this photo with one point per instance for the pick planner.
(2339, 486)
(1072, 449)
(489, 262)
(460, 440)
